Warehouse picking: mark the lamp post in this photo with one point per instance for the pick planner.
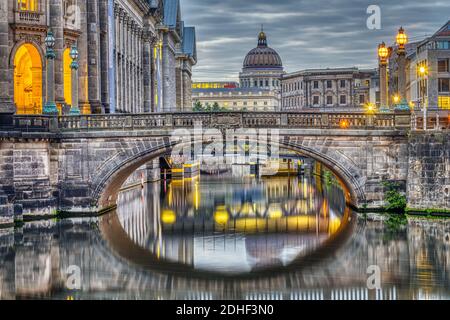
(423, 71)
(74, 110)
(402, 40)
(383, 55)
(50, 105)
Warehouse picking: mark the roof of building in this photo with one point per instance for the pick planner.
(263, 57)
(444, 31)
(171, 12)
(189, 42)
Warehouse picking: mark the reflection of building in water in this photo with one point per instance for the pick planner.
(272, 220)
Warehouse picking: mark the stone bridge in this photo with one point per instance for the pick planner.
(78, 163)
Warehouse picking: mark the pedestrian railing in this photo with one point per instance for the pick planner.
(281, 120)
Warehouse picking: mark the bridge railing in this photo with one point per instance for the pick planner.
(125, 122)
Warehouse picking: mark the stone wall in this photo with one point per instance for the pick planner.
(429, 171)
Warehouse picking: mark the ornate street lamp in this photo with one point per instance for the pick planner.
(74, 110)
(383, 55)
(401, 40)
(50, 105)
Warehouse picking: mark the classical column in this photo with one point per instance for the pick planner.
(57, 26)
(93, 56)
(7, 108)
(105, 55)
(83, 47)
(147, 73)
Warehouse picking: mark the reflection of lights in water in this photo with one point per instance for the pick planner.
(245, 231)
(275, 211)
(221, 215)
(168, 217)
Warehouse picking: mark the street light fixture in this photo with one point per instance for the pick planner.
(74, 110)
(50, 105)
(402, 38)
(383, 55)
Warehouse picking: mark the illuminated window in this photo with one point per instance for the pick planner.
(444, 102)
(27, 5)
(67, 60)
(28, 80)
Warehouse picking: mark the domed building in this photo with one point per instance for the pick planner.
(259, 87)
(263, 67)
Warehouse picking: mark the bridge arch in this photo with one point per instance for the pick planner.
(107, 181)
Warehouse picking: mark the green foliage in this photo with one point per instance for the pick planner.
(216, 107)
(395, 201)
(198, 107)
(396, 222)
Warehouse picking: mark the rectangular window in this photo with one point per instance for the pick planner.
(342, 83)
(443, 65)
(255, 103)
(316, 84)
(444, 102)
(329, 84)
(265, 103)
(267, 83)
(443, 45)
(315, 100)
(444, 85)
(329, 100)
(362, 99)
(343, 99)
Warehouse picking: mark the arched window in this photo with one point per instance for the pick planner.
(27, 5)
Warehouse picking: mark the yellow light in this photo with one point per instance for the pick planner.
(344, 124)
(396, 99)
(412, 104)
(383, 52)
(28, 80)
(221, 215)
(370, 108)
(402, 38)
(168, 216)
(275, 211)
(422, 70)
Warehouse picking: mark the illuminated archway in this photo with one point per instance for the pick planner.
(28, 80)
(67, 60)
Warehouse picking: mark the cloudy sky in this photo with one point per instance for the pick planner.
(306, 33)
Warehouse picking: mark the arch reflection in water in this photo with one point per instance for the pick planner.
(232, 225)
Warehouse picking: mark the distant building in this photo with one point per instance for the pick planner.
(328, 88)
(433, 87)
(259, 87)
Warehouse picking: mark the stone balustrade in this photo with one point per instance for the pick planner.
(323, 120)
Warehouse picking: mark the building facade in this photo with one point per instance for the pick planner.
(328, 88)
(245, 99)
(259, 83)
(431, 87)
(134, 55)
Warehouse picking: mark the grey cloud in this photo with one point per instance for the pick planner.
(306, 33)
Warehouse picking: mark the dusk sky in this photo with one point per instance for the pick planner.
(306, 34)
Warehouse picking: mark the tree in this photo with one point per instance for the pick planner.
(198, 107)
(207, 107)
(216, 107)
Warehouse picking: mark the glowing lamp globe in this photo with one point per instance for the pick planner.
(383, 52)
(402, 38)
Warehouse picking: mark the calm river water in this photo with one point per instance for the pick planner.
(222, 237)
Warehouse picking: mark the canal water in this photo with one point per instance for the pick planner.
(228, 237)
